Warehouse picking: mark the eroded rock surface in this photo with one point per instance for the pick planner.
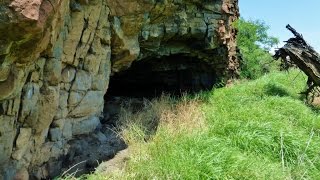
(56, 58)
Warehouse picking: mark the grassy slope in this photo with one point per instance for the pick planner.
(254, 130)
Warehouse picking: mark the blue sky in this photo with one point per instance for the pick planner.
(303, 15)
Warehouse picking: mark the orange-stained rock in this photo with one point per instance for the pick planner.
(28, 8)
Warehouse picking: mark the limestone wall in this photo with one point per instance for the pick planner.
(56, 58)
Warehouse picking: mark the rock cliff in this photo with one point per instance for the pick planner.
(57, 57)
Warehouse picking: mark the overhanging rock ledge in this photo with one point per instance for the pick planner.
(57, 56)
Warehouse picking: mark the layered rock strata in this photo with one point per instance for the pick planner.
(57, 56)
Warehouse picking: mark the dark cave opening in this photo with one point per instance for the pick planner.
(144, 80)
(175, 74)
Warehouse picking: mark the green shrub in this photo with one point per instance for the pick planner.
(255, 45)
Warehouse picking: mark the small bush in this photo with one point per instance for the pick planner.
(255, 45)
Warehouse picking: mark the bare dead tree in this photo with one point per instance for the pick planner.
(298, 52)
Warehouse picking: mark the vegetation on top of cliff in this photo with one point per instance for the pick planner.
(255, 45)
(251, 130)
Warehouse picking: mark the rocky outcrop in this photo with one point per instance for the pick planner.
(57, 56)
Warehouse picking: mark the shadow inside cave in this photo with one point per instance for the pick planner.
(175, 75)
(87, 152)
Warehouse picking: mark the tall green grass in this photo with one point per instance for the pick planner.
(252, 130)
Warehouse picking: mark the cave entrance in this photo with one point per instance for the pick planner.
(149, 78)
(175, 74)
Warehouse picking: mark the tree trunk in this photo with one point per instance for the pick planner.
(298, 52)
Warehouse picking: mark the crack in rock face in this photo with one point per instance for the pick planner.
(60, 58)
